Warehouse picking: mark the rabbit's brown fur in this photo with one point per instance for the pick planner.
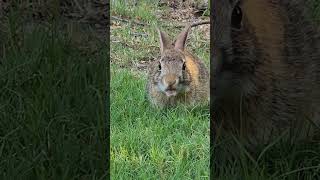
(192, 83)
(266, 74)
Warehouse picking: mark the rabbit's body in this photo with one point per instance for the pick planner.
(266, 69)
(189, 74)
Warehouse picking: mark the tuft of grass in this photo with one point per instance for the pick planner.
(315, 10)
(139, 10)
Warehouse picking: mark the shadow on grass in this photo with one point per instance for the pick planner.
(52, 109)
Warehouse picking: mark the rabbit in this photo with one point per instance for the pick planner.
(178, 76)
(265, 70)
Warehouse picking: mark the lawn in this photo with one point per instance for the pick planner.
(149, 143)
(52, 115)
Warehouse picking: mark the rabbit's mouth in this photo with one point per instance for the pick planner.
(170, 92)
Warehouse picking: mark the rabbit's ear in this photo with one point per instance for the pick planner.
(181, 38)
(164, 41)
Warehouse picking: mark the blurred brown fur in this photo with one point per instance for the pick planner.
(266, 72)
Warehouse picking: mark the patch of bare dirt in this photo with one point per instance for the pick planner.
(142, 65)
(182, 11)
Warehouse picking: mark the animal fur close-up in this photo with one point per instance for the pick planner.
(266, 69)
(265, 89)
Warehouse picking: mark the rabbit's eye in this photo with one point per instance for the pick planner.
(236, 17)
(184, 66)
(159, 67)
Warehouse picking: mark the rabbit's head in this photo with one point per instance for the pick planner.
(247, 34)
(172, 76)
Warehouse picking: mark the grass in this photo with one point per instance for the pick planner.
(148, 143)
(315, 10)
(278, 160)
(128, 9)
(51, 104)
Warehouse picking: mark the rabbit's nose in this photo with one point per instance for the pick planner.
(170, 80)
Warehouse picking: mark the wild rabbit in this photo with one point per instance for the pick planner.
(266, 69)
(178, 76)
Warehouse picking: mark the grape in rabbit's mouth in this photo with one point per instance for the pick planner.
(170, 92)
